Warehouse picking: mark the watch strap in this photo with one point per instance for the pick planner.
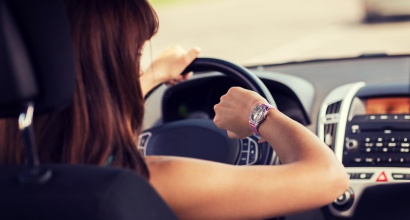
(255, 129)
(254, 126)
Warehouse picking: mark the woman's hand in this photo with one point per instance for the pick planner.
(232, 112)
(167, 67)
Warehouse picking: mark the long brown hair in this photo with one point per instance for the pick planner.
(106, 113)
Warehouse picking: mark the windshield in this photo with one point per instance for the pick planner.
(274, 31)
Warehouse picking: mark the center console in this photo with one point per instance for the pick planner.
(368, 127)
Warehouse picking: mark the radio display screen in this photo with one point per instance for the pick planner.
(389, 105)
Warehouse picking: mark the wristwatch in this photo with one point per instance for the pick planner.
(258, 115)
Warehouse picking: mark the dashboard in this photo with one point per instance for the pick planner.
(361, 111)
(189, 100)
(368, 127)
(360, 107)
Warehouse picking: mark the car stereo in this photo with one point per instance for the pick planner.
(368, 128)
(380, 136)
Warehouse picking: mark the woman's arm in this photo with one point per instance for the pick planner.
(310, 177)
(167, 67)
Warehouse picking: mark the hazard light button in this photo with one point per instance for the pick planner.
(382, 177)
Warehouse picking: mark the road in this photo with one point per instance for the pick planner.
(272, 31)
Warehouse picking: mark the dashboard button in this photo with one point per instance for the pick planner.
(401, 176)
(360, 176)
(253, 152)
(382, 177)
(245, 144)
(404, 150)
(367, 150)
(391, 144)
(367, 139)
(143, 139)
(355, 129)
(243, 159)
(352, 176)
(405, 145)
(358, 160)
(384, 117)
(369, 175)
(142, 143)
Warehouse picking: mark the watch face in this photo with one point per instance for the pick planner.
(257, 114)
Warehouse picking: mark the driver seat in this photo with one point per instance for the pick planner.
(37, 72)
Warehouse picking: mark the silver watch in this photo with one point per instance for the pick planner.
(257, 116)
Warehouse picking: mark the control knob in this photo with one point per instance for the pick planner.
(345, 201)
(351, 144)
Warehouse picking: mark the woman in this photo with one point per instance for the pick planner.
(102, 122)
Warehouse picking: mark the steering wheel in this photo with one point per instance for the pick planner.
(200, 138)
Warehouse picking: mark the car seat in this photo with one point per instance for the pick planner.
(37, 75)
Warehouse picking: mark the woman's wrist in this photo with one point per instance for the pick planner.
(265, 127)
(147, 81)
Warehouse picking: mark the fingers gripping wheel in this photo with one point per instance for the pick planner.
(200, 138)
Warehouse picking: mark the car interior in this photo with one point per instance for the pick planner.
(364, 117)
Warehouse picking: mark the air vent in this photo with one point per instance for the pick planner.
(330, 121)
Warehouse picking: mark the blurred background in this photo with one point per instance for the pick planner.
(252, 32)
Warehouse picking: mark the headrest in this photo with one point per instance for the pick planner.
(36, 57)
